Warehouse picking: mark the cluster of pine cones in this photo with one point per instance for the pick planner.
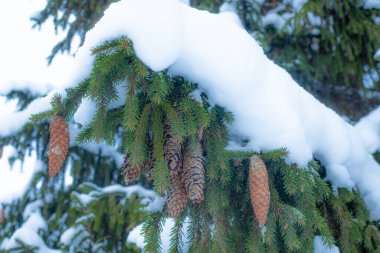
(186, 170)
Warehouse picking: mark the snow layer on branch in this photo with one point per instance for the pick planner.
(15, 120)
(369, 127)
(74, 236)
(28, 233)
(321, 247)
(270, 108)
(149, 198)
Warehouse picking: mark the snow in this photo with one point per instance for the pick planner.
(273, 110)
(369, 128)
(372, 4)
(24, 51)
(67, 236)
(28, 234)
(10, 114)
(70, 236)
(157, 205)
(85, 112)
(377, 54)
(84, 199)
(135, 236)
(149, 198)
(314, 20)
(320, 247)
(31, 208)
(275, 19)
(14, 180)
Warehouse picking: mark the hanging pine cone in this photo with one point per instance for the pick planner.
(131, 173)
(259, 189)
(59, 144)
(172, 150)
(177, 197)
(194, 173)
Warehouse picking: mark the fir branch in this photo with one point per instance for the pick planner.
(138, 148)
(74, 98)
(160, 167)
(176, 235)
(159, 88)
(151, 230)
(177, 127)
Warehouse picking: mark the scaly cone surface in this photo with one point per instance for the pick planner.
(177, 196)
(172, 150)
(259, 189)
(130, 172)
(194, 173)
(59, 144)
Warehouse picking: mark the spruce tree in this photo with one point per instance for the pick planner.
(176, 145)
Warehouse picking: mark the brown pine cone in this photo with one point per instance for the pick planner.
(131, 173)
(177, 197)
(59, 144)
(172, 150)
(193, 174)
(259, 189)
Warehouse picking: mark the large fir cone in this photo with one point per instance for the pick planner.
(172, 150)
(59, 144)
(259, 189)
(177, 197)
(194, 173)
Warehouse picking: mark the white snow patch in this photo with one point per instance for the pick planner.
(23, 54)
(372, 4)
(17, 119)
(28, 234)
(74, 235)
(85, 112)
(136, 236)
(377, 54)
(369, 128)
(31, 208)
(84, 199)
(321, 247)
(14, 180)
